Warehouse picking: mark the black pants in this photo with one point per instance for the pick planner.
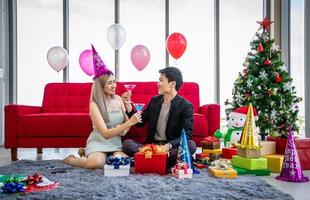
(130, 147)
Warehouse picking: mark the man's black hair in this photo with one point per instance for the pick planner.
(173, 74)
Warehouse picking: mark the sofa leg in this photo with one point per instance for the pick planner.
(14, 154)
(39, 150)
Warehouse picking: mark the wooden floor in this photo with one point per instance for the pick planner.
(297, 190)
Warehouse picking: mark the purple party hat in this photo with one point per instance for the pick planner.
(291, 170)
(99, 67)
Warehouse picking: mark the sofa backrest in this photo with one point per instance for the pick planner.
(74, 97)
(144, 91)
(66, 97)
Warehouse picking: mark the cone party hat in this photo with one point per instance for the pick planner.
(291, 170)
(249, 136)
(99, 67)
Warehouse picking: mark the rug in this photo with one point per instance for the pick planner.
(78, 183)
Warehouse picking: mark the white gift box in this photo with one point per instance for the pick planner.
(180, 173)
(122, 171)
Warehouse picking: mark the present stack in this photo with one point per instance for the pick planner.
(211, 146)
(151, 158)
(249, 149)
(222, 169)
(117, 166)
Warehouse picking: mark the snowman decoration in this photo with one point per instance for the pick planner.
(235, 125)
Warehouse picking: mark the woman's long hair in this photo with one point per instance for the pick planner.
(99, 97)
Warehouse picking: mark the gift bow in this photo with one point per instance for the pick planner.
(117, 161)
(33, 179)
(181, 166)
(150, 149)
(210, 139)
(222, 164)
(13, 185)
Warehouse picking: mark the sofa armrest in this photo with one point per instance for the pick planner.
(12, 112)
(212, 113)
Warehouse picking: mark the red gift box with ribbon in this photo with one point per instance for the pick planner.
(151, 159)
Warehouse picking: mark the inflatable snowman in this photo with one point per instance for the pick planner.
(235, 125)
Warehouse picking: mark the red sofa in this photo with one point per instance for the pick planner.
(63, 119)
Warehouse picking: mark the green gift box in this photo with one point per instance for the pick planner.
(249, 163)
(257, 172)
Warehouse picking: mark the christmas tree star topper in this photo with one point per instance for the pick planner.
(265, 24)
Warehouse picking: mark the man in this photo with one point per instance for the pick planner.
(167, 114)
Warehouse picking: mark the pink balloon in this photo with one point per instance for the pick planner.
(140, 56)
(86, 62)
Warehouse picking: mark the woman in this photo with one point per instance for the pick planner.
(110, 122)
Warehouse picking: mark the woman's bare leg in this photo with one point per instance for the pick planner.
(119, 153)
(93, 161)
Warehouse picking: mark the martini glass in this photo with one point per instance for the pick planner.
(138, 106)
(129, 88)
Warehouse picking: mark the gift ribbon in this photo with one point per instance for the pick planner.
(117, 161)
(210, 139)
(222, 164)
(13, 185)
(150, 149)
(33, 179)
(181, 166)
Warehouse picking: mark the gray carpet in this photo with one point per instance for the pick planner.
(91, 184)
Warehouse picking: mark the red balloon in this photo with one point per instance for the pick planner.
(176, 45)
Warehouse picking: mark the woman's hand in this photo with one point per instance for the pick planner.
(136, 118)
(126, 97)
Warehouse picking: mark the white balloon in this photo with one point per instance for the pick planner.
(116, 36)
(57, 58)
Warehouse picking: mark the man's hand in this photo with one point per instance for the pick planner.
(167, 147)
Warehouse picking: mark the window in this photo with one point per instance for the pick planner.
(34, 18)
(195, 20)
(237, 28)
(144, 24)
(89, 21)
(297, 51)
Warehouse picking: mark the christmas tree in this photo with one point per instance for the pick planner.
(266, 84)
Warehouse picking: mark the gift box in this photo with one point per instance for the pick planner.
(202, 155)
(214, 151)
(275, 162)
(267, 148)
(303, 150)
(249, 163)
(257, 172)
(182, 173)
(280, 144)
(113, 170)
(229, 152)
(222, 173)
(202, 158)
(302, 146)
(210, 144)
(154, 163)
(248, 153)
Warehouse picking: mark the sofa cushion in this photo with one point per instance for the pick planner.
(200, 125)
(66, 97)
(54, 125)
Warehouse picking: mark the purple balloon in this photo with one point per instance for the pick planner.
(86, 62)
(140, 56)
